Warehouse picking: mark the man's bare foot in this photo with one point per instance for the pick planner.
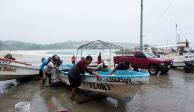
(74, 100)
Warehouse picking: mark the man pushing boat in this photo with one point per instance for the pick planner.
(125, 65)
(52, 64)
(48, 71)
(75, 72)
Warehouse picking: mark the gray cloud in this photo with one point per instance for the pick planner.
(48, 21)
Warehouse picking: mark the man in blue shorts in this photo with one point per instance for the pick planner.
(44, 62)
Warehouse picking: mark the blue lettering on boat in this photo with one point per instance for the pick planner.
(118, 80)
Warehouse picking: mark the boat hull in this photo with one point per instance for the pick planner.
(115, 86)
(116, 90)
(180, 61)
(10, 70)
(178, 64)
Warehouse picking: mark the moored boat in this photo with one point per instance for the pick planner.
(180, 60)
(12, 69)
(122, 84)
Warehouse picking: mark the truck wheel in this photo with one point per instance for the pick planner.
(165, 71)
(173, 67)
(186, 69)
(153, 70)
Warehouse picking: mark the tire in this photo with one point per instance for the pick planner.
(173, 67)
(186, 69)
(165, 71)
(153, 69)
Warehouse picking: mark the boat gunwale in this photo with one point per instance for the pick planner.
(15, 61)
(27, 67)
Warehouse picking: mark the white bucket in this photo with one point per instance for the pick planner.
(22, 107)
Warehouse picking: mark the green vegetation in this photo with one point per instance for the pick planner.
(17, 45)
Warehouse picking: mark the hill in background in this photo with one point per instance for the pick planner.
(17, 45)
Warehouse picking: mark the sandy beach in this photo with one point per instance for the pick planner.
(172, 92)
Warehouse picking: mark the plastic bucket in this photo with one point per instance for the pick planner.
(22, 107)
(62, 110)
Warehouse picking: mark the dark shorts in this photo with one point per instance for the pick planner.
(74, 82)
(73, 62)
(41, 73)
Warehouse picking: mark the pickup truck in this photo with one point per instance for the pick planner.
(146, 60)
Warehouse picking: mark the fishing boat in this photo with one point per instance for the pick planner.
(180, 60)
(12, 69)
(122, 84)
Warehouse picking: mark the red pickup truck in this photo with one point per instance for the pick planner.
(146, 60)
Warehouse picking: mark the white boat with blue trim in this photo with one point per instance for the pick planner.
(122, 84)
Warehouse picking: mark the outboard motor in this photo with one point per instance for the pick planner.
(57, 61)
(9, 56)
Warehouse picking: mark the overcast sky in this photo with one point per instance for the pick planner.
(49, 21)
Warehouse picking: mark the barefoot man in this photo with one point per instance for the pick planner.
(75, 72)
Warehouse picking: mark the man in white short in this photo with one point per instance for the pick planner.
(48, 71)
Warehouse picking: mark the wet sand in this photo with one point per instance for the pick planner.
(172, 92)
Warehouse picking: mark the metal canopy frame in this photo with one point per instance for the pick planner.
(98, 45)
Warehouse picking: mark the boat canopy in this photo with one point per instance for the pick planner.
(98, 45)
